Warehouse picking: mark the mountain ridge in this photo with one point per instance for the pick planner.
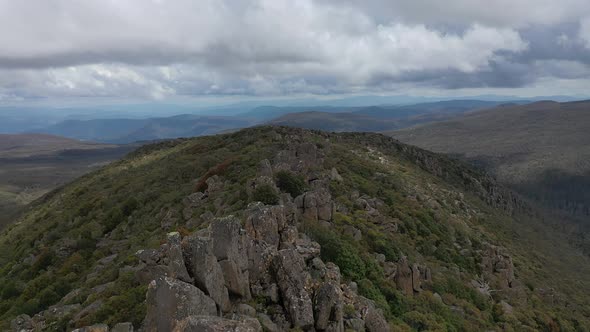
(407, 229)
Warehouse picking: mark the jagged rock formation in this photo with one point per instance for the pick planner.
(267, 259)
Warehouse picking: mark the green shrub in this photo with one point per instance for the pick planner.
(265, 194)
(290, 183)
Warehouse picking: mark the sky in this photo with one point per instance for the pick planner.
(162, 50)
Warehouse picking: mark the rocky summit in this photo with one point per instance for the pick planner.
(281, 229)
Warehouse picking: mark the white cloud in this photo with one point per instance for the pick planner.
(149, 48)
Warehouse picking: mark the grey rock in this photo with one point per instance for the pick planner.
(292, 281)
(236, 282)
(328, 307)
(170, 301)
(229, 241)
(22, 323)
(93, 328)
(267, 323)
(403, 277)
(176, 265)
(416, 283)
(245, 310)
(122, 327)
(217, 324)
(207, 272)
(265, 222)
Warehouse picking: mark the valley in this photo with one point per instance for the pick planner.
(31, 165)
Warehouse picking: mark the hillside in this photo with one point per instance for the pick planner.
(541, 149)
(34, 164)
(289, 229)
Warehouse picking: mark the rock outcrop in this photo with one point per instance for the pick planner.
(227, 264)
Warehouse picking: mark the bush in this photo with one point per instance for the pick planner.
(265, 194)
(340, 252)
(290, 183)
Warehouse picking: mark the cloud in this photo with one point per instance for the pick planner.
(157, 49)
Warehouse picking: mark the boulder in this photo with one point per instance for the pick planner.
(236, 282)
(416, 283)
(328, 308)
(170, 301)
(265, 222)
(217, 324)
(22, 323)
(93, 328)
(315, 205)
(175, 258)
(122, 327)
(373, 316)
(229, 241)
(267, 323)
(206, 271)
(292, 279)
(403, 277)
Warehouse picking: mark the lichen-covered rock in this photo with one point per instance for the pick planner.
(206, 271)
(292, 279)
(315, 205)
(176, 263)
(217, 324)
(403, 277)
(93, 328)
(374, 319)
(122, 327)
(22, 323)
(236, 281)
(497, 266)
(170, 301)
(229, 241)
(328, 308)
(265, 222)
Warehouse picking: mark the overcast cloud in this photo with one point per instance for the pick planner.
(159, 49)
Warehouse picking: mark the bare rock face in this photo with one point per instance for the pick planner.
(265, 222)
(329, 308)
(22, 323)
(292, 279)
(403, 277)
(236, 281)
(170, 301)
(217, 324)
(315, 205)
(93, 328)
(497, 266)
(207, 272)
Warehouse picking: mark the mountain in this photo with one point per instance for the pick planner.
(377, 118)
(439, 108)
(132, 130)
(336, 122)
(289, 229)
(542, 149)
(34, 164)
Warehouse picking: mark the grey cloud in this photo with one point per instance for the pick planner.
(157, 49)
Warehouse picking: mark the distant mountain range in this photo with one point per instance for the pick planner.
(381, 118)
(133, 130)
